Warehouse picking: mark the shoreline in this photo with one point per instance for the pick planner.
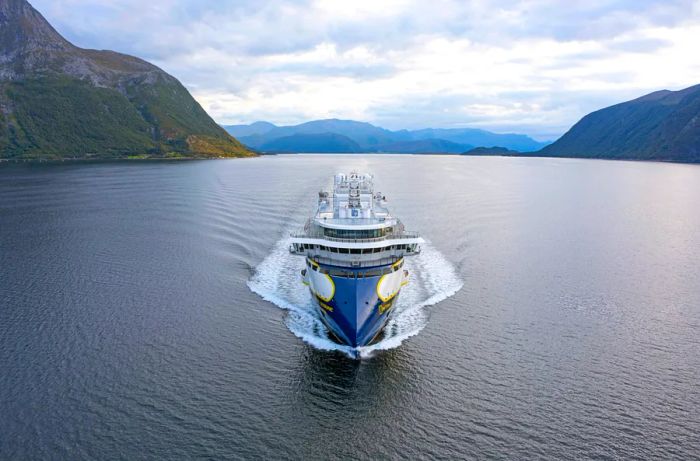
(33, 161)
(75, 160)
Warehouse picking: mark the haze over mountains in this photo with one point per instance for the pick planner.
(349, 135)
(58, 100)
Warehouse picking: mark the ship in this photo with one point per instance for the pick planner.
(354, 251)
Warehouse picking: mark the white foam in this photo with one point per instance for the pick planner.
(277, 279)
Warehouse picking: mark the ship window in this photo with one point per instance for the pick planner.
(355, 251)
(352, 234)
(344, 250)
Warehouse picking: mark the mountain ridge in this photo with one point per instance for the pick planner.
(58, 100)
(373, 138)
(663, 125)
(312, 144)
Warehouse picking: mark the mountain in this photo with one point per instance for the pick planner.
(480, 138)
(372, 138)
(249, 130)
(312, 143)
(59, 101)
(664, 125)
(366, 135)
(495, 150)
(424, 146)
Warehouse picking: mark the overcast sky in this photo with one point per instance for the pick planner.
(533, 66)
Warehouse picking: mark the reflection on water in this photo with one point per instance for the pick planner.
(128, 328)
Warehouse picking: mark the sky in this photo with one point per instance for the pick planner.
(532, 66)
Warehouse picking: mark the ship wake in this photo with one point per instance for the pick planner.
(277, 280)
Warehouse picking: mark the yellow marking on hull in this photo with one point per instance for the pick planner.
(330, 280)
(328, 299)
(385, 307)
(325, 306)
(387, 298)
(381, 279)
(379, 283)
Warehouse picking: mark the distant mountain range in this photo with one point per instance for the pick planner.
(664, 125)
(263, 136)
(59, 101)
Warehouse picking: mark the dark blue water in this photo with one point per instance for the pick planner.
(556, 314)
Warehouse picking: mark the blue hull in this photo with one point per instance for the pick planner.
(356, 314)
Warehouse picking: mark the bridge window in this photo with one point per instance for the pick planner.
(353, 234)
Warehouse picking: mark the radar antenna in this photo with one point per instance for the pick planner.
(354, 193)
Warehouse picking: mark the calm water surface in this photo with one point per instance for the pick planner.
(129, 328)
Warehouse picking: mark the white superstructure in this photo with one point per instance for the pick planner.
(353, 228)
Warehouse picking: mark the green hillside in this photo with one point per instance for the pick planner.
(60, 101)
(664, 125)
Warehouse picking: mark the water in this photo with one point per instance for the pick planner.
(150, 310)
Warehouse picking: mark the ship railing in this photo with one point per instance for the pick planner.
(320, 235)
(357, 264)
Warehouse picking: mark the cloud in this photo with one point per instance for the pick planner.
(531, 65)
